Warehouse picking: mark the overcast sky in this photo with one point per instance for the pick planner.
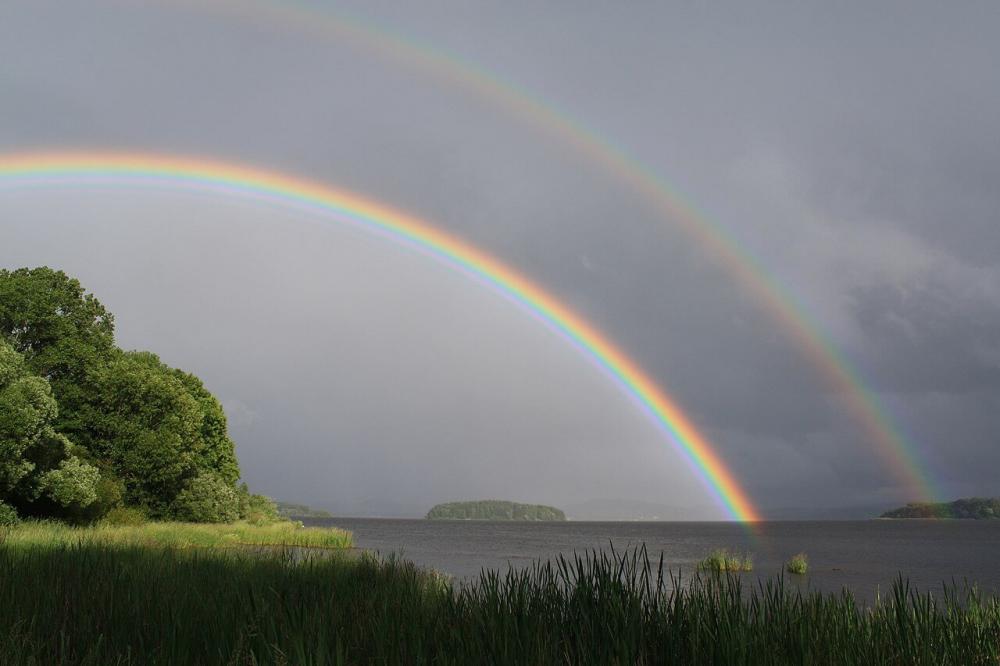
(854, 151)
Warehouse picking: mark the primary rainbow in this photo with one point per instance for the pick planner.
(99, 168)
(862, 404)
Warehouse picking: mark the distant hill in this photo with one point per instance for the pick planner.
(289, 510)
(494, 510)
(973, 508)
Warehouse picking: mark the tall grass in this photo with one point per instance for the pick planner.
(798, 564)
(85, 604)
(179, 535)
(722, 560)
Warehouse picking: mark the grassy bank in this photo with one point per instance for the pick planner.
(177, 535)
(87, 604)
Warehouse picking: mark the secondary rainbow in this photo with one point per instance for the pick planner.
(862, 403)
(97, 168)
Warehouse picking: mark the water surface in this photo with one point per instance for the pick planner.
(863, 556)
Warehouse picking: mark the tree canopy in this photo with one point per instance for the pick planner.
(494, 510)
(973, 508)
(86, 427)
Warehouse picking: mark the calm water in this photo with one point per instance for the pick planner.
(862, 555)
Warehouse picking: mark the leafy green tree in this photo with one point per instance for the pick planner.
(146, 426)
(37, 465)
(255, 508)
(73, 483)
(8, 516)
(128, 430)
(62, 331)
(216, 452)
(27, 410)
(207, 499)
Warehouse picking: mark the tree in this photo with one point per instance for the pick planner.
(217, 452)
(207, 499)
(37, 464)
(156, 427)
(73, 483)
(128, 428)
(27, 410)
(62, 332)
(8, 516)
(144, 424)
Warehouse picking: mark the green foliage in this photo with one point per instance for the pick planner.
(215, 452)
(722, 560)
(207, 499)
(157, 606)
(84, 426)
(127, 527)
(38, 471)
(8, 516)
(125, 515)
(290, 510)
(973, 508)
(27, 410)
(256, 509)
(72, 483)
(63, 332)
(143, 421)
(494, 510)
(798, 565)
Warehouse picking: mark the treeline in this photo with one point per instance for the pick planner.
(290, 510)
(88, 429)
(494, 510)
(973, 508)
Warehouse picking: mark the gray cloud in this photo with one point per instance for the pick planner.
(852, 150)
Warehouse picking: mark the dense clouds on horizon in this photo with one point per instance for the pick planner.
(853, 151)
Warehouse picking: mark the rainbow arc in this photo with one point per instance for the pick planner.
(90, 169)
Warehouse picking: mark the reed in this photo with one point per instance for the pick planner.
(722, 560)
(84, 603)
(179, 535)
(798, 565)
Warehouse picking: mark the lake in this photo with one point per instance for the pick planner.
(861, 555)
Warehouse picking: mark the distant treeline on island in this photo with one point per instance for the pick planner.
(494, 510)
(974, 508)
(290, 510)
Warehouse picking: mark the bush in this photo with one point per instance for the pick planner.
(7, 515)
(125, 515)
(799, 564)
(207, 499)
(74, 482)
(722, 560)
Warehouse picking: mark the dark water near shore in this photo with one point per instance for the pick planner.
(860, 555)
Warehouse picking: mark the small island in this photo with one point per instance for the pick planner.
(973, 508)
(494, 510)
(289, 510)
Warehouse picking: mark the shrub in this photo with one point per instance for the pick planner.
(7, 515)
(799, 564)
(262, 509)
(256, 509)
(207, 499)
(722, 560)
(74, 482)
(125, 515)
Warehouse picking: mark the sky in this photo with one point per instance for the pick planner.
(854, 151)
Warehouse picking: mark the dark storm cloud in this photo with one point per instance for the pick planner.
(853, 150)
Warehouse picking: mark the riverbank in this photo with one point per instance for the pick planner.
(88, 602)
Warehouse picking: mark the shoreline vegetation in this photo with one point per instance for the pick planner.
(280, 533)
(291, 511)
(723, 561)
(500, 510)
(115, 602)
(972, 508)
